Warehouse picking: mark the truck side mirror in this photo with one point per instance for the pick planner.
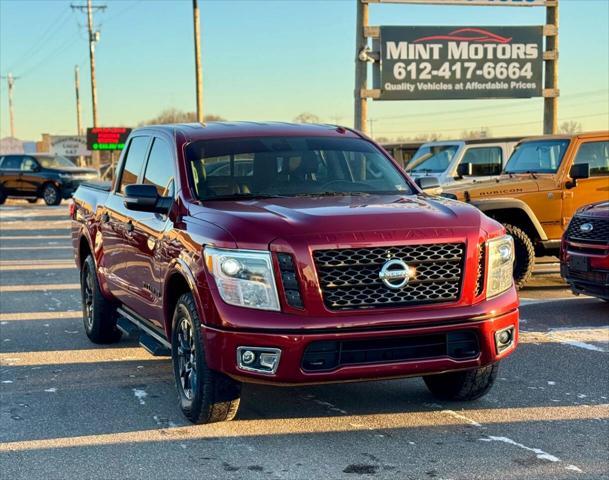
(578, 171)
(145, 198)
(429, 185)
(465, 169)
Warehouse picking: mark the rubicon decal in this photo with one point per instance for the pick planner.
(460, 62)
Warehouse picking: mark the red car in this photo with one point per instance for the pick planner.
(584, 251)
(290, 254)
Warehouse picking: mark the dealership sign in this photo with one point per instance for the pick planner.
(427, 63)
(107, 138)
(69, 145)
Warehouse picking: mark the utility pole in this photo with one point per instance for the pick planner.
(89, 8)
(198, 67)
(550, 102)
(361, 68)
(77, 87)
(11, 113)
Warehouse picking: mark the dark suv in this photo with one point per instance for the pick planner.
(40, 176)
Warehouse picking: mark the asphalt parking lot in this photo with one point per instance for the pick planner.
(70, 409)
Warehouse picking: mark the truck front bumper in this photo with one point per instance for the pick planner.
(341, 356)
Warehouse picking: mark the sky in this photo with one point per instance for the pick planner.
(268, 60)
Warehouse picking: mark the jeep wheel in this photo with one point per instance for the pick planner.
(466, 385)
(51, 194)
(99, 315)
(32, 200)
(524, 253)
(2, 196)
(205, 396)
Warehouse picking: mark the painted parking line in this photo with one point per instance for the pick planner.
(46, 264)
(39, 288)
(34, 237)
(47, 247)
(593, 339)
(68, 357)
(300, 426)
(47, 315)
(21, 225)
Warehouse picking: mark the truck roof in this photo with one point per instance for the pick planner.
(474, 141)
(213, 130)
(585, 135)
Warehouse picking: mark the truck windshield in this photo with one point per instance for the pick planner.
(291, 166)
(55, 162)
(432, 158)
(543, 156)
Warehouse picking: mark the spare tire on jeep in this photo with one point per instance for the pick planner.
(525, 255)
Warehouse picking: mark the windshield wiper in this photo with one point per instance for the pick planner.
(243, 196)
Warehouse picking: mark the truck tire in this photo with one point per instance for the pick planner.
(466, 385)
(2, 196)
(204, 395)
(524, 253)
(51, 195)
(99, 315)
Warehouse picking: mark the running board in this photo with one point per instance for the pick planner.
(148, 338)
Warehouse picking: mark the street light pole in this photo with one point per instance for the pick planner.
(198, 67)
(11, 113)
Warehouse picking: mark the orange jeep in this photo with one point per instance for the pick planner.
(544, 182)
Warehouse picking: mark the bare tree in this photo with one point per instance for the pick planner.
(484, 132)
(307, 117)
(173, 115)
(571, 127)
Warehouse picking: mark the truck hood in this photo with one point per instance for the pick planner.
(256, 223)
(498, 187)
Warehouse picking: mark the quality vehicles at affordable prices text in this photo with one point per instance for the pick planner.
(544, 182)
(290, 254)
(584, 253)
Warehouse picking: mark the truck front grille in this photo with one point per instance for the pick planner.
(349, 278)
(599, 234)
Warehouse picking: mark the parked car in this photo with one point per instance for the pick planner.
(545, 181)
(453, 161)
(584, 254)
(49, 177)
(305, 269)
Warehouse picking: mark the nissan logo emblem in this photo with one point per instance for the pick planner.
(395, 274)
(586, 227)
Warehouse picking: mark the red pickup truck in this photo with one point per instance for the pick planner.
(290, 254)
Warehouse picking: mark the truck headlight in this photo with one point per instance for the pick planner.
(499, 271)
(244, 277)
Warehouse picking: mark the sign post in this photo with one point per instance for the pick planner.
(468, 62)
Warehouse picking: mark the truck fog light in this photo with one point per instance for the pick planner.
(248, 357)
(258, 359)
(504, 339)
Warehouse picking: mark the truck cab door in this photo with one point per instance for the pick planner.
(150, 236)
(116, 225)
(593, 189)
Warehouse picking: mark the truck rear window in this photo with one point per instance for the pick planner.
(291, 166)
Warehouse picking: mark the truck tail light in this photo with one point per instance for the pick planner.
(289, 280)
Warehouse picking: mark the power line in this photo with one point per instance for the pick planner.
(39, 45)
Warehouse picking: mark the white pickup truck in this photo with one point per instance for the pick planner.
(462, 160)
